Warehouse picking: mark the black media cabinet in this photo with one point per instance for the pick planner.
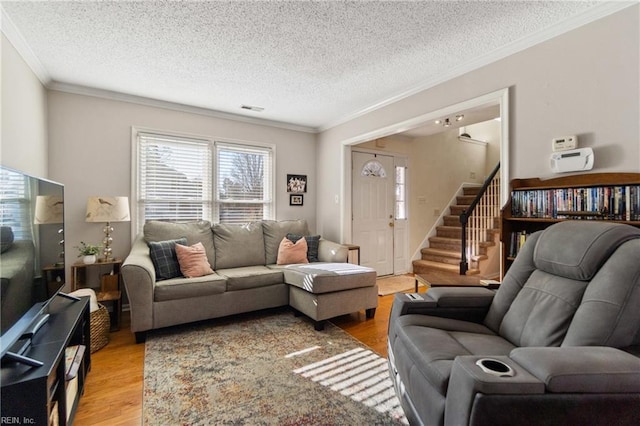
(41, 395)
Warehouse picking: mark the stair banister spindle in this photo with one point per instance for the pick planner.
(464, 221)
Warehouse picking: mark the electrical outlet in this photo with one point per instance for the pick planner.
(472, 175)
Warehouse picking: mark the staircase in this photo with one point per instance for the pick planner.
(443, 253)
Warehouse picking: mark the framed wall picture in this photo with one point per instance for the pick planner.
(296, 199)
(297, 184)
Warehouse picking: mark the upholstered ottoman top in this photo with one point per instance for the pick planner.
(329, 277)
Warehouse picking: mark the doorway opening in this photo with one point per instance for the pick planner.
(493, 106)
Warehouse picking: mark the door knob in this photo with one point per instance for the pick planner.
(390, 224)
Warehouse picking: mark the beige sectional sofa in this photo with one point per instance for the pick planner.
(246, 276)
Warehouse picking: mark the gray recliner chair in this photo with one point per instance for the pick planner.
(558, 343)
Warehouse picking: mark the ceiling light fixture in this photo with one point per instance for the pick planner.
(446, 122)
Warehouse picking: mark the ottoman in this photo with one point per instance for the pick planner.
(326, 290)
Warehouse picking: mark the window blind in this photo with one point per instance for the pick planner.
(244, 183)
(174, 179)
(15, 205)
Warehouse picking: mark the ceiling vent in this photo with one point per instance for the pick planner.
(252, 108)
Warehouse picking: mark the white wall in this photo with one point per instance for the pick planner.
(584, 82)
(23, 143)
(489, 132)
(90, 151)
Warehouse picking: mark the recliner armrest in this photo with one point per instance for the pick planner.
(581, 369)
(462, 297)
(462, 303)
(468, 379)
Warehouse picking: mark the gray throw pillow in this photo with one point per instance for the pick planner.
(313, 242)
(164, 258)
(6, 238)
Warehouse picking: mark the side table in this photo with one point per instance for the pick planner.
(351, 247)
(109, 286)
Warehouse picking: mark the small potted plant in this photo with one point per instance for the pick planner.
(88, 252)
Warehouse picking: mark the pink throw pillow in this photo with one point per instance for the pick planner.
(193, 260)
(290, 252)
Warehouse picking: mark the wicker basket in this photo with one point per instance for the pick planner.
(100, 324)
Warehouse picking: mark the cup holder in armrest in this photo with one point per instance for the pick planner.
(495, 367)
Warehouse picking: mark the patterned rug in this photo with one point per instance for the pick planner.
(265, 368)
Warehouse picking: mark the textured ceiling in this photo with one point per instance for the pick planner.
(309, 64)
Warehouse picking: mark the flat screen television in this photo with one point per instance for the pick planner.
(31, 255)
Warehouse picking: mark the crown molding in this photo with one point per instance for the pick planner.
(140, 100)
(17, 40)
(598, 12)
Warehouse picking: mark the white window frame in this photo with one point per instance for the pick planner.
(268, 200)
(137, 215)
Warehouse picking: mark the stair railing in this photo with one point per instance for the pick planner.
(478, 218)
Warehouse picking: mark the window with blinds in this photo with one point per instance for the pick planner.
(174, 181)
(181, 179)
(15, 204)
(244, 183)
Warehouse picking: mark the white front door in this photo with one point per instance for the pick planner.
(373, 209)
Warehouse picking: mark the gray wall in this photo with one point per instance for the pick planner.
(90, 150)
(23, 143)
(583, 82)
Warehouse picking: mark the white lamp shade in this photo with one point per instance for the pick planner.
(108, 209)
(49, 209)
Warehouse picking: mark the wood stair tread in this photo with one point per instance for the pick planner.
(441, 252)
(423, 265)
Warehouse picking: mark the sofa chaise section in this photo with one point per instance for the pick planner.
(246, 276)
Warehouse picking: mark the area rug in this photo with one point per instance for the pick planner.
(266, 368)
(396, 284)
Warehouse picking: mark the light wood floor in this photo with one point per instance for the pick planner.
(113, 391)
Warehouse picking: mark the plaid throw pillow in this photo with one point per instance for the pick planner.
(313, 241)
(165, 260)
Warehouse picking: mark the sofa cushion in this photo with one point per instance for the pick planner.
(431, 344)
(250, 277)
(329, 277)
(6, 238)
(275, 231)
(183, 288)
(193, 260)
(164, 258)
(291, 252)
(542, 311)
(194, 232)
(238, 245)
(313, 243)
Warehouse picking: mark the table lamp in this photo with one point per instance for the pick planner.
(107, 209)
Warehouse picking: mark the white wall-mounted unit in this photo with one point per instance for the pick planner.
(571, 161)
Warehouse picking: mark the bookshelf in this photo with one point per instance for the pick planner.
(535, 204)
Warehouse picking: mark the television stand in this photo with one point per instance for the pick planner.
(42, 394)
